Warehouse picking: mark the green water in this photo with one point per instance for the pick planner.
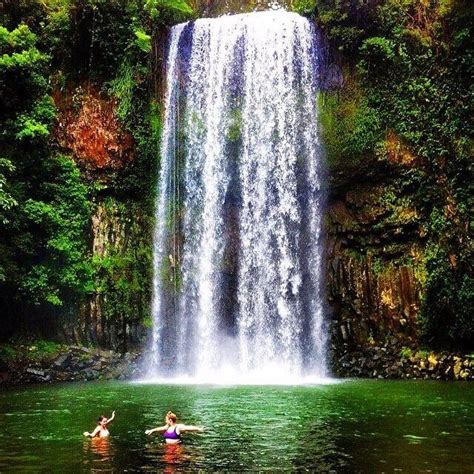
(364, 426)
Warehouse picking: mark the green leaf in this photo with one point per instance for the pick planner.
(143, 41)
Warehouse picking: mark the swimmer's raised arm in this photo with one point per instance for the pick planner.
(154, 430)
(111, 418)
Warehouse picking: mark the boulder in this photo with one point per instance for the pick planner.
(36, 372)
(91, 374)
(433, 361)
(464, 374)
(457, 367)
(62, 362)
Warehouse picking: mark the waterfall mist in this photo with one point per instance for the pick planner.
(237, 245)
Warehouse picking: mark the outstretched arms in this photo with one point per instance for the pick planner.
(183, 428)
(154, 430)
(179, 429)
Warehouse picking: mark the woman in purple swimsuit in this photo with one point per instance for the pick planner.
(172, 431)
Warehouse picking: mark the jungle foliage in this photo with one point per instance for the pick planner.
(47, 270)
(44, 203)
(408, 67)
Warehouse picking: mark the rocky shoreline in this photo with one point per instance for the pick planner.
(81, 363)
(391, 361)
(70, 363)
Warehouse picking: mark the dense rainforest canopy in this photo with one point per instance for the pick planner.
(406, 70)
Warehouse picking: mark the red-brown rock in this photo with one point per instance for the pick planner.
(88, 127)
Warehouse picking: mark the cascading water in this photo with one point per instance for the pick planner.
(237, 250)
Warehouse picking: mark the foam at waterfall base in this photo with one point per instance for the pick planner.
(270, 375)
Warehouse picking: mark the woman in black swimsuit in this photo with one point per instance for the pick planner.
(172, 430)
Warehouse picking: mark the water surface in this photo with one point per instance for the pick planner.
(355, 426)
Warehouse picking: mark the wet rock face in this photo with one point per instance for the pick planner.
(370, 305)
(88, 128)
(116, 230)
(393, 361)
(374, 249)
(72, 363)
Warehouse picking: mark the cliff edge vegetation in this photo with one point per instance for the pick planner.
(398, 136)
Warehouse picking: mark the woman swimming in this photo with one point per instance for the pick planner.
(172, 431)
(101, 430)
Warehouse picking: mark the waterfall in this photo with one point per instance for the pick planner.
(237, 245)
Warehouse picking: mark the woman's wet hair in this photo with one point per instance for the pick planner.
(171, 416)
(101, 417)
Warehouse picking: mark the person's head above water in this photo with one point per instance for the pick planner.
(170, 418)
(102, 420)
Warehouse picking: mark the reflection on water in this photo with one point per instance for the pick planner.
(360, 426)
(98, 453)
(170, 457)
(172, 454)
(101, 448)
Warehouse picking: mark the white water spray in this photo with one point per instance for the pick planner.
(237, 248)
